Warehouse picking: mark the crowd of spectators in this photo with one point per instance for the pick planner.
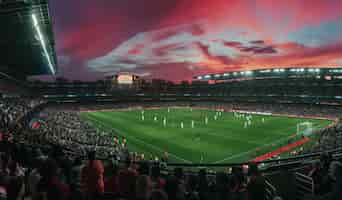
(329, 138)
(31, 173)
(327, 178)
(11, 110)
(67, 130)
(50, 163)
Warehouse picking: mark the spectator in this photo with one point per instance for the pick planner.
(75, 178)
(222, 186)
(157, 181)
(238, 183)
(319, 174)
(127, 180)
(34, 176)
(256, 187)
(203, 185)
(50, 187)
(158, 195)
(3, 190)
(92, 177)
(143, 187)
(16, 189)
(174, 189)
(112, 180)
(192, 186)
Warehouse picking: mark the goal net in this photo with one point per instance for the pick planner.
(304, 128)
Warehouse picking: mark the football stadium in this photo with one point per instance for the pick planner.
(170, 100)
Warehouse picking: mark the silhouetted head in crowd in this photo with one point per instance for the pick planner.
(172, 186)
(38, 153)
(221, 179)
(15, 188)
(333, 169)
(128, 162)
(91, 155)
(179, 173)
(238, 176)
(192, 182)
(202, 179)
(202, 172)
(325, 160)
(143, 168)
(77, 161)
(158, 195)
(5, 160)
(49, 169)
(155, 171)
(253, 169)
(143, 187)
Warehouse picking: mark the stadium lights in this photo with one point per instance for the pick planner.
(226, 74)
(336, 70)
(200, 77)
(278, 70)
(217, 75)
(265, 71)
(314, 70)
(248, 72)
(42, 42)
(207, 76)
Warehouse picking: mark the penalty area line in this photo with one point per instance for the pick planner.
(249, 151)
(142, 142)
(262, 146)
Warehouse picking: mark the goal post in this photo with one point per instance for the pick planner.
(304, 128)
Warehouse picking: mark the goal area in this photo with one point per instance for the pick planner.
(304, 128)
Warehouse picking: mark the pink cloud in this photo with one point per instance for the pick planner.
(136, 49)
(163, 50)
(303, 56)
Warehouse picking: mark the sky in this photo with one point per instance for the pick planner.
(179, 39)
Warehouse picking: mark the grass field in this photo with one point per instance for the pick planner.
(219, 141)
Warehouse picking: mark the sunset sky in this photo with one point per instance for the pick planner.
(179, 39)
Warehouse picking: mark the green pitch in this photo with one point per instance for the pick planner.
(221, 140)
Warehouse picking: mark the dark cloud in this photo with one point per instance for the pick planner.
(257, 42)
(233, 44)
(265, 50)
(205, 51)
(259, 49)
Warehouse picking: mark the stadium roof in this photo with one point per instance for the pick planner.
(26, 38)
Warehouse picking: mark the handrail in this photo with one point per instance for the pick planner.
(304, 184)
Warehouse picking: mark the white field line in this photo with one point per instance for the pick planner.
(249, 151)
(231, 138)
(145, 143)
